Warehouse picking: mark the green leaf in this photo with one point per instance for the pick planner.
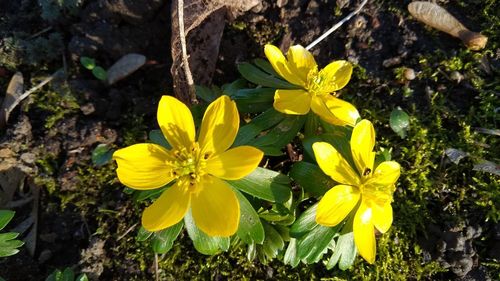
(157, 137)
(206, 93)
(265, 184)
(164, 240)
(55, 276)
(141, 195)
(82, 277)
(399, 122)
(5, 217)
(281, 134)
(100, 73)
(259, 77)
(8, 246)
(143, 234)
(203, 243)
(311, 125)
(88, 63)
(312, 246)
(273, 243)
(254, 100)
(102, 155)
(262, 122)
(250, 229)
(68, 275)
(266, 66)
(305, 223)
(344, 252)
(233, 87)
(291, 257)
(311, 178)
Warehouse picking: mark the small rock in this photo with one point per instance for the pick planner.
(456, 76)
(409, 74)
(391, 62)
(124, 67)
(28, 157)
(87, 108)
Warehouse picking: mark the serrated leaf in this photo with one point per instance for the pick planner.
(254, 100)
(273, 242)
(203, 243)
(143, 234)
(157, 137)
(259, 77)
(265, 184)
(311, 178)
(68, 275)
(262, 122)
(102, 155)
(280, 135)
(250, 228)
(399, 122)
(344, 252)
(206, 93)
(5, 217)
(290, 257)
(88, 63)
(100, 73)
(305, 223)
(164, 240)
(312, 246)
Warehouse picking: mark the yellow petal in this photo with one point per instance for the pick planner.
(382, 216)
(334, 111)
(216, 210)
(336, 204)
(219, 126)
(300, 61)
(297, 102)
(335, 76)
(364, 233)
(280, 65)
(176, 122)
(235, 163)
(333, 164)
(142, 166)
(362, 143)
(386, 174)
(168, 209)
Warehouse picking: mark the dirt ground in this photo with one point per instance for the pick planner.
(83, 215)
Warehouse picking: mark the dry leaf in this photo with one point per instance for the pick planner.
(125, 66)
(204, 22)
(14, 92)
(437, 17)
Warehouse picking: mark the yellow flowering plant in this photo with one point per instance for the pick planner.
(212, 185)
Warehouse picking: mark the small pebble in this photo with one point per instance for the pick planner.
(409, 74)
(456, 76)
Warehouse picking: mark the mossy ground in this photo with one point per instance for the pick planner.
(445, 113)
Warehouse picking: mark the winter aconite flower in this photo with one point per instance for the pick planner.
(370, 189)
(197, 168)
(317, 87)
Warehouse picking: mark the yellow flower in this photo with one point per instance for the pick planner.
(373, 188)
(197, 167)
(300, 68)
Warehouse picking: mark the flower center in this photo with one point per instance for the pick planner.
(318, 84)
(188, 164)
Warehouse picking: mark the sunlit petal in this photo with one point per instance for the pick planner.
(142, 166)
(382, 216)
(334, 111)
(362, 143)
(335, 76)
(386, 174)
(364, 233)
(296, 102)
(235, 163)
(280, 65)
(176, 122)
(219, 126)
(336, 204)
(216, 210)
(300, 61)
(333, 164)
(168, 209)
